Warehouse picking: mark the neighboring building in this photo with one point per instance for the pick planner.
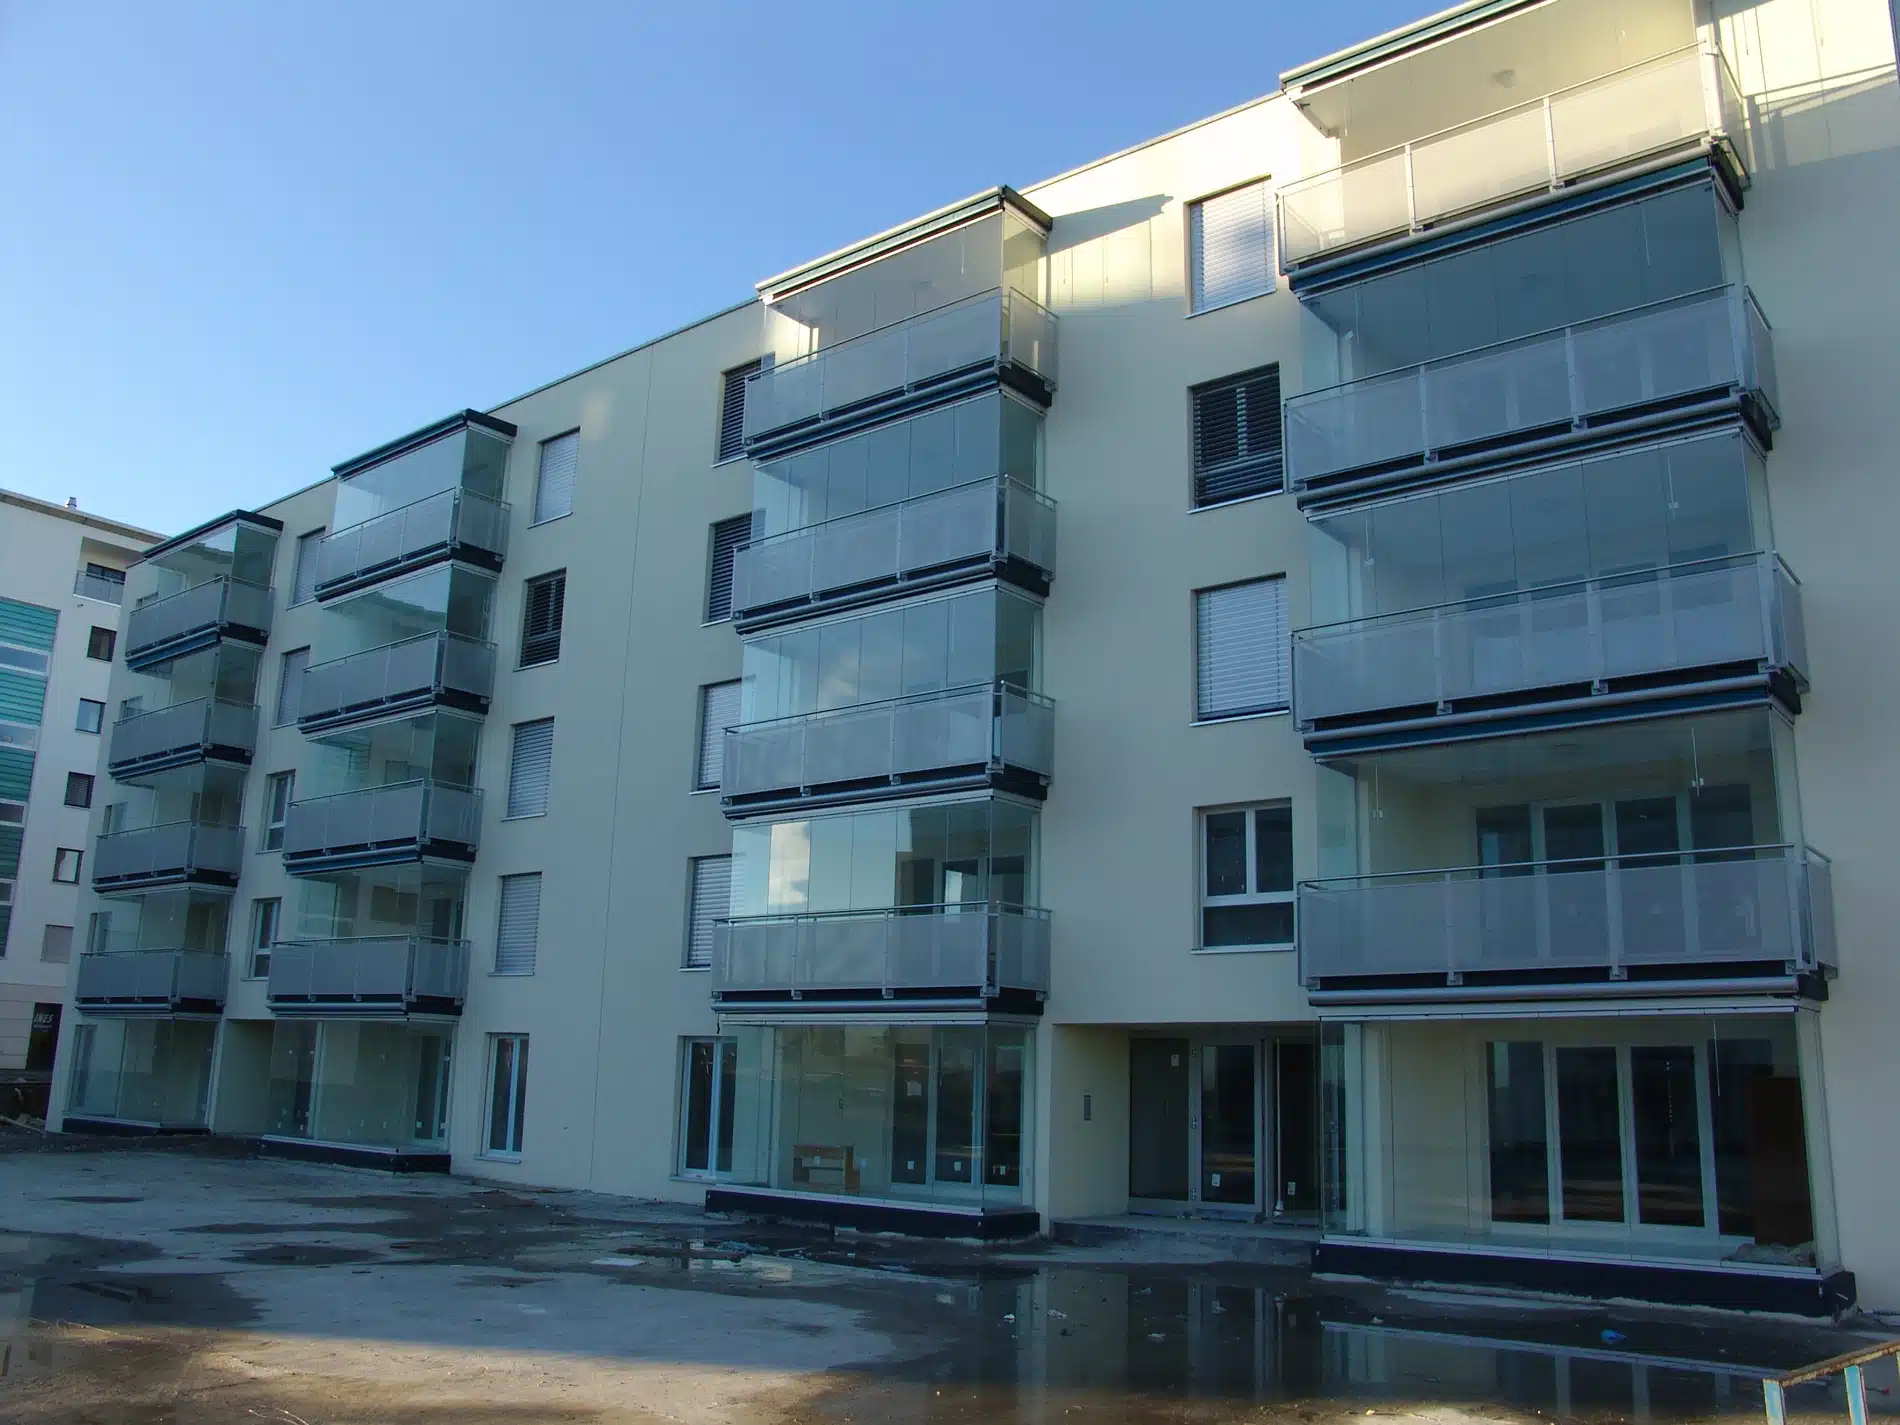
(62, 573)
(701, 776)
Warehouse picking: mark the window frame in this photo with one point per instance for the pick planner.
(269, 824)
(79, 717)
(514, 766)
(517, 1098)
(283, 678)
(1193, 208)
(1253, 895)
(743, 371)
(700, 784)
(60, 853)
(308, 543)
(528, 587)
(111, 643)
(46, 933)
(85, 781)
(1209, 719)
(714, 1103)
(535, 517)
(258, 948)
(693, 864)
(534, 948)
(712, 566)
(1199, 389)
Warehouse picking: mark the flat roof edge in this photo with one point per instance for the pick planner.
(446, 426)
(85, 517)
(1420, 34)
(179, 541)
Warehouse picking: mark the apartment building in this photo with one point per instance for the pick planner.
(62, 573)
(701, 778)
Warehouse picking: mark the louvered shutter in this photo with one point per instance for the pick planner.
(290, 685)
(732, 411)
(519, 924)
(530, 768)
(727, 536)
(712, 899)
(554, 489)
(1237, 437)
(1230, 242)
(56, 944)
(541, 616)
(1241, 649)
(718, 710)
(304, 588)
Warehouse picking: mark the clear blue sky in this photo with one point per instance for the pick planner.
(240, 242)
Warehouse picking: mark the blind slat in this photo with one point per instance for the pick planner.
(712, 899)
(732, 411)
(727, 536)
(290, 685)
(544, 608)
(518, 924)
(1230, 239)
(304, 587)
(1242, 663)
(531, 768)
(554, 487)
(718, 710)
(1237, 437)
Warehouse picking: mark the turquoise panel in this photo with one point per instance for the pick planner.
(9, 851)
(28, 625)
(16, 773)
(22, 697)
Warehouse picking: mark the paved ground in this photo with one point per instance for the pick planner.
(154, 1283)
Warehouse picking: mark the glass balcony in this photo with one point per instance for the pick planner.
(371, 975)
(993, 333)
(990, 525)
(152, 981)
(96, 586)
(1684, 100)
(404, 821)
(966, 952)
(450, 524)
(1686, 626)
(1734, 913)
(990, 736)
(196, 617)
(1680, 354)
(431, 669)
(174, 853)
(203, 729)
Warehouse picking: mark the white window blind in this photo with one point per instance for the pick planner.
(718, 710)
(1241, 649)
(290, 685)
(543, 610)
(519, 924)
(712, 899)
(727, 536)
(56, 944)
(304, 588)
(732, 411)
(554, 490)
(1230, 247)
(531, 767)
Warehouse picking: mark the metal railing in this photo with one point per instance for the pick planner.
(440, 523)
(969, 947)
(367, 971)
(1559, 380)
(394, 817)
(988, 726)
(1673, 100)
(1742, 905)
(1850, 1366)
(181, 731)
(998, 326)
(985, 521)
(1709, 613)
(412, 670)
(175, 851)
(150, 979)
(95, 586)
(216, 604)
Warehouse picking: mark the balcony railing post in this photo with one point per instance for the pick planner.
(1593, 621)
(1411, 193)
(1550, 143)
(1613, 898)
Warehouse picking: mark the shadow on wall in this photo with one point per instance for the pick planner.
(1105, 257)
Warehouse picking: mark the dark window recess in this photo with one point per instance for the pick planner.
(727, 536)
(1237, 449)
(100, 643)
(78, 789)
(732, 411)
(541, 617)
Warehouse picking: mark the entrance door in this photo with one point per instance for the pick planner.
(1158, 1119)
(1295, 1128)
(1230, 1119)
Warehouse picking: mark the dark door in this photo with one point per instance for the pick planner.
(1230, 1120)
(1295, 1114)
(910, 1114)
(1158, 1119)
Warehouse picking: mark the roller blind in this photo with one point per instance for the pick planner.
(304, 587)
(1237, 437)
(519, 924)
(727, 536)
(1230, 247)
(543, 609)
(718, 710)
(290, 685)
(732, 411)
(1241, 651)
(554, 490)
(712, 899)
(531, 767)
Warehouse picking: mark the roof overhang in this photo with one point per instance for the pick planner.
(415, 440)
(198, 532)
(1303, 81)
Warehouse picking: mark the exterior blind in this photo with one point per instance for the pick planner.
(727, 536)
(1230, 247)
(718, 710)
(1241, 659)
(541, 616)
(56, 944)
(1237, 437)
(732, 411)
(712, 899)
(519, 924)
(304, 588)
(290, 685)
(529, 772)
(554, 490)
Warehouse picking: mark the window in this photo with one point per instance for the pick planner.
(530, 768)
(304, 587)
(27, 660)
(56, 944)
(732, 411)
(718, 710)
(1230, 247)
(507, 1094)
(712, 898)
(1247, 877)
(290, 685)
(554, 486)
(278, 788)
(1240, 644)
(100, 643)
(727, 536)
(1237, 437)
(12, 813)
(99, 932)
(265, 915)
(105, 572)
(92, 715)
(541, 613)
(78, 789)
(66, 863)
(518, 924)
(708, 1088)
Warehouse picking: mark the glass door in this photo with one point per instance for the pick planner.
(1159, 1121)
(1296, 1129)
(1229, 1125)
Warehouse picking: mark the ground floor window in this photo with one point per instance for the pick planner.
(1670, 1137)
(507, 1095)
(143, 1070)
(367, 1084)
(934, 1113)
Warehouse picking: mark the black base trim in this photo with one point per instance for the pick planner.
(206, 880)
(1730, 1289)
(1010, 570)
(392, 1007)
(173, 648)
(989, 1225)
(170, 761)
(412, 562)
(118, 1128)
(151, 1008)
(342, 1154)
(402, 705)
(899, 402)
(877, 1002)
(1031, 786)
(353, 858)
